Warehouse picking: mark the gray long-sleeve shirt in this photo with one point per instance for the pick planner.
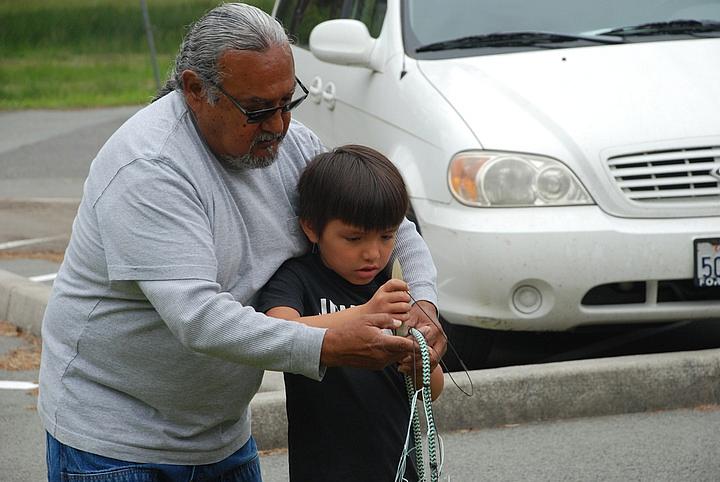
(150, 350)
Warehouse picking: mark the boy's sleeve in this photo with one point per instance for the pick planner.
(285, 288)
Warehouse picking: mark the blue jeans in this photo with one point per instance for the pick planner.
(66, 464)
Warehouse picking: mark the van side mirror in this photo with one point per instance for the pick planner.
(344, 42)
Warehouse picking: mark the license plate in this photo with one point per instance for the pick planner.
(707, 262)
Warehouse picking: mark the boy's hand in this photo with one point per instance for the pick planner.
(391, 298)
(361, 343)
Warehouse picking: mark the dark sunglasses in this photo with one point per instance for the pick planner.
(258, 116)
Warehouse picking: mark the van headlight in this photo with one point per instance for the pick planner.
(489, 178)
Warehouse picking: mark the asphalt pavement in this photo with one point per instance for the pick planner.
(678, 445)
(62, 142)
(645, 417)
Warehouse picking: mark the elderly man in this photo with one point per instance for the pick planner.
(151, 351)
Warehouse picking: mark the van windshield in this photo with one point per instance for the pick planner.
(442, 29)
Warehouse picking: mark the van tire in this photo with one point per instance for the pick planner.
(472, 344)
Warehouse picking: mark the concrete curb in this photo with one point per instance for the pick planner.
(502, 396)
(585, 388)
(22, 302)
(552, 391)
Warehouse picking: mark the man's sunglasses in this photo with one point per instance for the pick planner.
(258, 116)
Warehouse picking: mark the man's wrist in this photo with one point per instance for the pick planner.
(428, 307)
(326, 350)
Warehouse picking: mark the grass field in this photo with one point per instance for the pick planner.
(86, 53)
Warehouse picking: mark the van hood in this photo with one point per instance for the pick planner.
(583, 105)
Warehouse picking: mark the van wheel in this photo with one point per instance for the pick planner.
(472, 345)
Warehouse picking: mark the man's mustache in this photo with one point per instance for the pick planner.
(267, 137)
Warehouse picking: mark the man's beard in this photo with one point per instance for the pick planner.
(250, 161)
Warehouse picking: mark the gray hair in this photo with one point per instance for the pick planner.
(230, 26)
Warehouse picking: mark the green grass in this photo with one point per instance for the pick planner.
(82, 80)
(85, 53)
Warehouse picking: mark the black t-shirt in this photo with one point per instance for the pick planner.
(351, 426)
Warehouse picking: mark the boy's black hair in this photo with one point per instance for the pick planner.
(355, 184)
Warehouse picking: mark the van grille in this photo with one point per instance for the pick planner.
(684, 175)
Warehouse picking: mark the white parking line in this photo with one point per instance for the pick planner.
(26, 242)
(43, 277)
(12, 385)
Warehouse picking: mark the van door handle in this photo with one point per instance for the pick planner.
(315, 89)
(328, 95)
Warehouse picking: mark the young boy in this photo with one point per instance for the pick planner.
(352, 425)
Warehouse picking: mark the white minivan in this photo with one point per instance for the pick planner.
(562, 156)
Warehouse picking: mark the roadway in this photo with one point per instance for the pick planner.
(677, 445)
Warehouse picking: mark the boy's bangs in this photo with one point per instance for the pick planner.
(371, 205)
(356, 185)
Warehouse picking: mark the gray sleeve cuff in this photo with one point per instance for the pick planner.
(424, 291)
(305, 357)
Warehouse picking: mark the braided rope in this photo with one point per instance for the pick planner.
(416, 430)
(429, 418)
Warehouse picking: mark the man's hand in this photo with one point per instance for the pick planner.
(420, 314)
(361, 343)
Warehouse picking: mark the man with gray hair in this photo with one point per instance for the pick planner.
(151, 350)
